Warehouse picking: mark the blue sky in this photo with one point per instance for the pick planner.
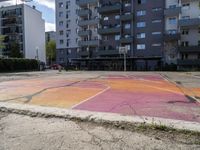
(47, 7)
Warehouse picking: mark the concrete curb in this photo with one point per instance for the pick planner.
(97, 117)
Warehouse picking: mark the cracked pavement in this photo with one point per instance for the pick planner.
(22, 132)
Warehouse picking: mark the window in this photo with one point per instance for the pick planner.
(117, 17)
(141, 24)
(198, 43)
(61, 23)
(141, 35)
(199, 29)
(172, 21)
(156, 33)
(141, 13)
(61, 42)
(141, 46)
(127, 26)
(185, 43)
(60, 14)
(141, 2)
(117, 37)
(105, 18)
(61, 5)
(185, 32)
(61, 32)
(186, 6)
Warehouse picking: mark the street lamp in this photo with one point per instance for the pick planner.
(124, 50)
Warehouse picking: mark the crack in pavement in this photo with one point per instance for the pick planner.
(30, 97)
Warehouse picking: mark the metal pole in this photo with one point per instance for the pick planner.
(124, 61)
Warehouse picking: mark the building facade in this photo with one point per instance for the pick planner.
(23, 25)
(50, 36)
(156, 33)
(183, 28)
(66, 31)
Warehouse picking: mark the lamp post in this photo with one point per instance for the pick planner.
(123, 50)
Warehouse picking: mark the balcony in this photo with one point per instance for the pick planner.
(83, 53)
(172, 37)
(84, 33)
(89, 43)
(126, 40)
(189, 22)
(189, 49)
(86, 2)
(84, 12)
(169, 12)
(189, 62)
(107, 52)
(112, 30)
(109, 8)
(127, 17)
(88, 22)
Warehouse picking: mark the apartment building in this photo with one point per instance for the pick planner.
(182, 41)
(136, 24)
(24, 25)
(50, 36)
(66, 31)
(155, 33)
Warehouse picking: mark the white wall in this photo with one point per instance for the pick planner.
(34, 27)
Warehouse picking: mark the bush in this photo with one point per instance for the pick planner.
(13, 65)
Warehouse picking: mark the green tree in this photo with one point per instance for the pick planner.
(2, 46)
(51, 51)
(15, 50)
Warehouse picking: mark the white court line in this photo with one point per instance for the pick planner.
(108, 87)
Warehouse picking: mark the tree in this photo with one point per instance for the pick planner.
(2, 46)
(51, 51)
(15, 50)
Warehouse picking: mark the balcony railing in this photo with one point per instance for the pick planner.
(189, 22)
(88, 22)
(172, 37)
(84, 33)
(169, 12)
(189, 49)
(111, 30)
(89, 43)
(86, 2)
(109, 8)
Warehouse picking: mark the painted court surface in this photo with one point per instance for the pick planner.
(128, 94)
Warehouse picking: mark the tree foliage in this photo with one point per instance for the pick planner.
(15, 50)
(51, 51)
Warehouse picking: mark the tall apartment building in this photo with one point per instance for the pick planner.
(156, 33)
(66, 31)
(24, 25)
(182, 40)
(136, 24)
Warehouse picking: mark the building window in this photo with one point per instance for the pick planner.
(60, 14)
(141, 35)
(61, 32)
(199, 29)
(105, 18)
(141, 2)
(172, 21)
(198, 43)
(61, 23)
(61, 42)
(185, 43)
(141, 24)
(141, 13)
(186, 6)
(141, 46)
(117, 17)
(127, 26)
(61, 5)
(117, 37)
(185, 32)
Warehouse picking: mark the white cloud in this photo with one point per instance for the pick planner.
(49, 26)
(48, 3)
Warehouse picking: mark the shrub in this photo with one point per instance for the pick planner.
(13, 65)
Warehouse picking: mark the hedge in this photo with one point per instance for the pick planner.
(13, 65)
